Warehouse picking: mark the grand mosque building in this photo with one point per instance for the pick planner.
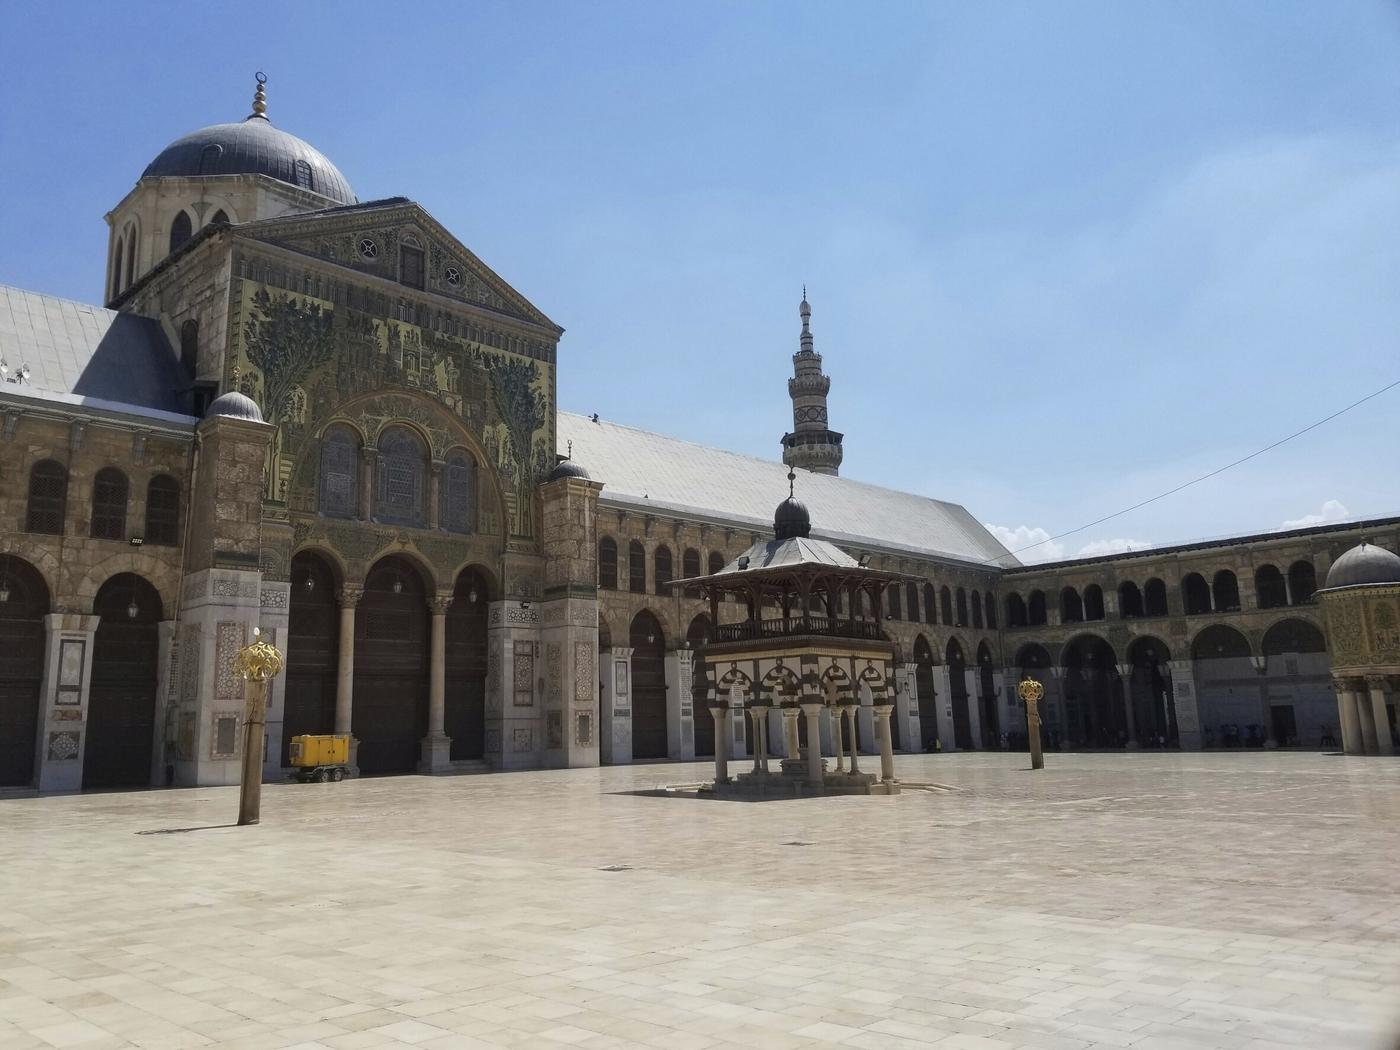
(327, 419)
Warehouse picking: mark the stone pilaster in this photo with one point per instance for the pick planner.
(974, 706)
(906, 709)
(63, 699)
(943, 706)
(274, 600)
(616, 720)
(1183, 696)
(514, 707)
(680, 715)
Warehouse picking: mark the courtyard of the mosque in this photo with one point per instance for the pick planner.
(1238, 901)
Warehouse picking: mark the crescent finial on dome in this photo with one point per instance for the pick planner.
(259, 98)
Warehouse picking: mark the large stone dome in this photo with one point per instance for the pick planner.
(253, 147)
(1364, 564)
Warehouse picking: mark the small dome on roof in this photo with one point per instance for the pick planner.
(1363, 564)
(791, 519)
(567, 468)
(234, 405)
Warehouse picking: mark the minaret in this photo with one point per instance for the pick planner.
(810, 445)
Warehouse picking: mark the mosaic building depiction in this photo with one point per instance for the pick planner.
(330, 420)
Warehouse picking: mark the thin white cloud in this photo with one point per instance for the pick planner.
(1029, 544)
(1332, 511)
(1099, 548)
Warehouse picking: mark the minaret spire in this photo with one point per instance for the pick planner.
(259, 99)
(811, 444)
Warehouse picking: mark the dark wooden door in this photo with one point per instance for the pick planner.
(700, 707)
(465, 715)
(390, 716)
(122, 696)
(648, 689)
(313, 647)
(962, 721)
(21, 671)
(928, 706)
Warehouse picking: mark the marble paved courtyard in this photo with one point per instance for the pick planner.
(1235, 901)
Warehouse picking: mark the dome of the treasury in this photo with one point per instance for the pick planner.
(567, 468)
(1364, 564)
(253, 147)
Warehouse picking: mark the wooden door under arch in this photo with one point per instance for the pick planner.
(390, 716)
(464, 719)
(313, 647)
(21, 671)
(122, 692)
(648, 689)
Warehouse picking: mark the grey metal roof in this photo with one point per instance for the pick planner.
(251, 147)
(645, 470)
(1364, 564)
(82, 354)
(784, 554)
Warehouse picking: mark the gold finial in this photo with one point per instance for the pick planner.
(258, 661)
(260, 98)
(571, 451)
(792, 477)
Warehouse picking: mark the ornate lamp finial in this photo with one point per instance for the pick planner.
(571, 450)
(792, 476)
(259, 98)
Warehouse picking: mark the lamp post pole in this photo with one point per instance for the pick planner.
(257, 664)
(1032, 692)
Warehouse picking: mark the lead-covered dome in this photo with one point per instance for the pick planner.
(234, 405)
(253, 147)
(1364, 564)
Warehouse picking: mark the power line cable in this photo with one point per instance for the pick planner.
(1213, 473)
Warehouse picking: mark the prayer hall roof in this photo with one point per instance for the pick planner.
(645, 470)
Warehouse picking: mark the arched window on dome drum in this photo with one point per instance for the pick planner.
(607, 563)
(664, 574)
(399, 486)
(109, 492)
(209, 159)
(636, 568)
(48, 498)
(456, 505)
(301, 171)
(181, 229)
(163, 511)
(690, 568)
(716, 562)
(976, 610)
(340, 473)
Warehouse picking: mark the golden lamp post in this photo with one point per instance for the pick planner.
(1032, 692)
(257, 664)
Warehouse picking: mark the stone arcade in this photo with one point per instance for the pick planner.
(329, 419)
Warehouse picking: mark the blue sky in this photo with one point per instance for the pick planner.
(1061, 256)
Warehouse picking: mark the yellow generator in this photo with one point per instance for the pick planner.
(320, 758)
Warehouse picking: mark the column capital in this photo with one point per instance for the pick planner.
(622, 652)
(884, 709)
(439, 603)
(1376, 683)
(349, 596)
(1345, 683)
(812, 708)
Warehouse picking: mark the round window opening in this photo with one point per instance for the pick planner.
(368, 248)
(453, 275)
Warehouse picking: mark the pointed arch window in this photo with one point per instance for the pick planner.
(109, 494)
(400, 483)
(130, 274)
(163, 511)
(911, 598)
(690, 568)
(636, 568)
(945, 605)
(48, 498)
(663, 574)
(990, 602)
(220, 218)
(976, 610)
(340, 473)
(456, 506)
(118, 259)
(607, 563)
(930, 604)
(181, 229)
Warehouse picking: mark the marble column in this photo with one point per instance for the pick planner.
(759, 714)
(1367, 717)
(719, 711)
(882, 731)
(1349, 721)
(434, 492)
(436, 754)
(1375, 685)
(345, 661)
(1125, 681)
(849, 711)
(974, 706)
(813, 711)
(1266, 707)
(838, 744)
(791, 736)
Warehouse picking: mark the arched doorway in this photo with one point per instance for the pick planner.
(24, 602)
(122, 696)
(697, 634)
(464, 719)
(928, 702)
(390, 715)
(957, 687)
(1094, 715)
(648, 687)
(987, 699)
(1154, 713)
(313, 648)
(1228, 690)
(1297, 675)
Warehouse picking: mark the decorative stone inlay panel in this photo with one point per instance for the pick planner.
(274, 598)
(583, 671)
(64, 745)
(524, 674)
(553, 669)
(554, 729)
(229, 637)
(583, 729)
(66, 714)
(523, 740)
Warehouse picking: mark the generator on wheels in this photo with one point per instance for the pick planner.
(320, 758)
